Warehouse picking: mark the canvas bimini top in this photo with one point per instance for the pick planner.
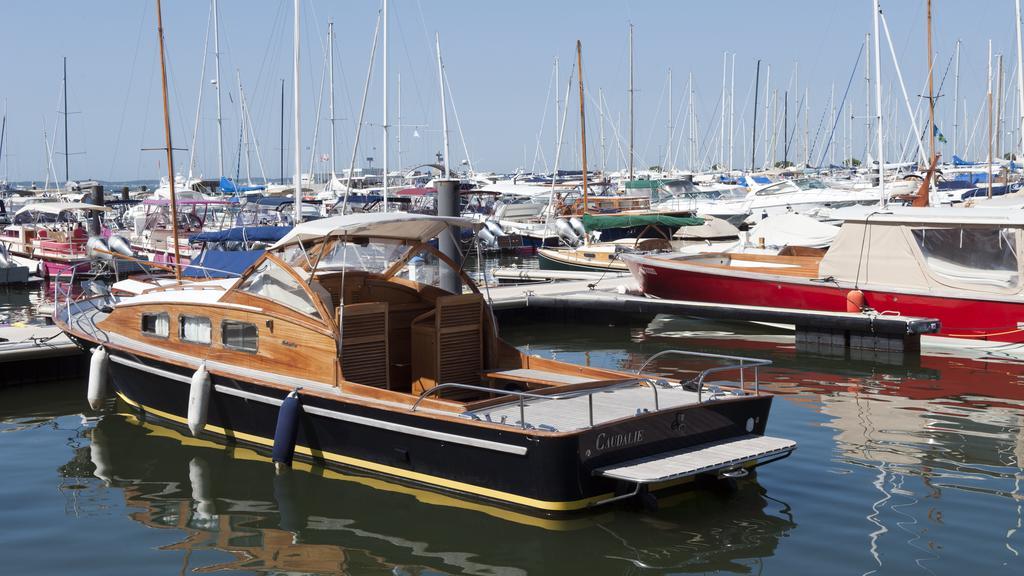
(391, 225)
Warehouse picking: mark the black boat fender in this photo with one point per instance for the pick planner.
(287, 430)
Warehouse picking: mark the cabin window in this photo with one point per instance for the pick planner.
(272, 282)
(239, 335)
(977, 256)
(195, 329)
(156, 324)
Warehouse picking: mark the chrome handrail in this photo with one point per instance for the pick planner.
(744, 362)
(522, 396)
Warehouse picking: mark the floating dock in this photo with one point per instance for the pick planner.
(815, 330)
(38, 354)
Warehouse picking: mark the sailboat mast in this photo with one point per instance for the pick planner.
(721, 120)
(931, 91)
(867, 92)
(167, 142)
(956, 96)
(444, 104)
(297, 177)
(668, 146)
(753, 138)
(878, 109)
(631, 122)
(282, 130)
(989, 96)
(600, 107)
(67, 176)
(1020, 71)
(385, 125)
(583, 122)
(330, 105)
(216, 68)
(732, 108)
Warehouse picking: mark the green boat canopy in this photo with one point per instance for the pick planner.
(604, 222)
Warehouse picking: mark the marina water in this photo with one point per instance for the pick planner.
(903, 467)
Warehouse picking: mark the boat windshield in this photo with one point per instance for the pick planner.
(976, 256)
(369, 255)
(272, 282)
(786, 187)
(810, 184)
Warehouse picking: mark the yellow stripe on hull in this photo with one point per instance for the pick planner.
(547, 505)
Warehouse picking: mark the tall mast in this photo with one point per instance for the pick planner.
(67, 176)
(931, 92)
(282, 130)
(444, 105)
(732, 108)
(167, 142)
(330, 105)
(600, 107)
(999, 108)
(216, 67)
(721, 120)
(583, 122)
(878, 108)
(668, 146)
(1020, 73)
(807, 127)
(558, 104)
(785, 127)
(297, 177)
(753, 138)
(989, 96)
(832, 115)
(631, 123)
(385, 191)
(692, 122)
(867, 89)
(956, 95)
(767, 111)
(398, 135)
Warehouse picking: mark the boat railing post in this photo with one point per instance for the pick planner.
(522, 412)
(757, 383)
(590, 408)
(742, 383)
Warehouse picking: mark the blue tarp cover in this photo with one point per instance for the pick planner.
(243, 234)
(222, 264)
(227, 185)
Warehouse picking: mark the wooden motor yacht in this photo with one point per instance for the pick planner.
(326, 350)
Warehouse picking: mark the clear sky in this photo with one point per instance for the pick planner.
(499, 59)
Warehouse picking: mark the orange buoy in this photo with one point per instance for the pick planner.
(855, 301)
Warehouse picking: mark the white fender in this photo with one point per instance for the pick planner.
(98, 366)
(566, 233)
(486, 238)
(577, 227)
(198, 400)
(494, 228)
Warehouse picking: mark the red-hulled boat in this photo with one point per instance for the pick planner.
(958, 265)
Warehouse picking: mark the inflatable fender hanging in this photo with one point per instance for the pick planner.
(198, 400)
(287, 430)
(98, 367)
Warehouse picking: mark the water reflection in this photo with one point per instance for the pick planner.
(318, 521)
(914, 441)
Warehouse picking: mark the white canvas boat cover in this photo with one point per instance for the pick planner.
(874, 253)
(58, 207)
(793, 230)
(392, 225)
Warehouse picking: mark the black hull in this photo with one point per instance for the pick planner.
(544, 474)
